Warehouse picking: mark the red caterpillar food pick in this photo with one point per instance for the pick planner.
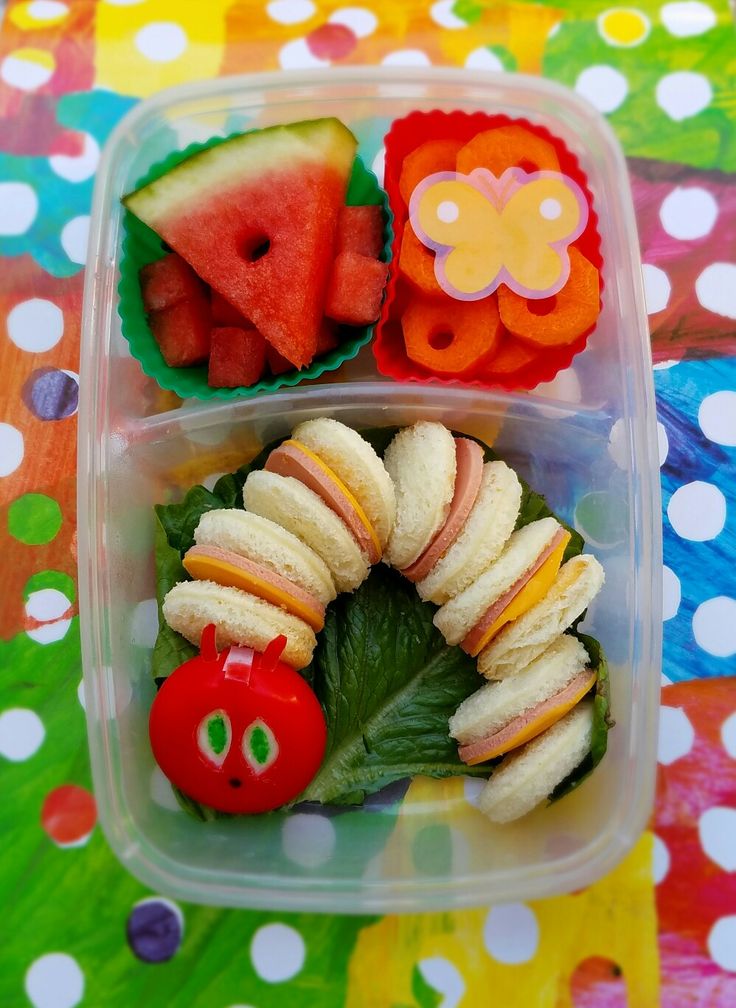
(238, 731)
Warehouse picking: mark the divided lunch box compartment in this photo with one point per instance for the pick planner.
(587, 441)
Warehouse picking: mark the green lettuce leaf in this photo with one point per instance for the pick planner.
(388, 683)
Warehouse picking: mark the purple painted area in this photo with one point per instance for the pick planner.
(154, 931)
(51, 394)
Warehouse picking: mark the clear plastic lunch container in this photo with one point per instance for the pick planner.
(587, 441)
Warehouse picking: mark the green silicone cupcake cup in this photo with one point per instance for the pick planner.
(141, 245)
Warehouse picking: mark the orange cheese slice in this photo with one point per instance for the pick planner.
(533, 591)
(332, 475)
(541, 717)
(240, 573)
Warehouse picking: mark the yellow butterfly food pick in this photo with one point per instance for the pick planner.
(486, 230)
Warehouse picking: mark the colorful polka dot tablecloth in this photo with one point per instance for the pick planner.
(76, 929)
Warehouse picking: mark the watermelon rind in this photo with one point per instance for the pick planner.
(142, 245)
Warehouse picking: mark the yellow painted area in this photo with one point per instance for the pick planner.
(332, 475)
(535, 727)
(533, 591)
(230, 575)
(623, 26)
(29, 16)
(39, 57)
(122, 66)
(520, 28)
(594, 922)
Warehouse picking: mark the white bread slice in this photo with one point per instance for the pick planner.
(299, 510)
(521, 641)
(527, 776)
(482, 538)
(496, 704)
(421, 462)
(240, 618)
(353, 459)
(257, 538)
(457, 617)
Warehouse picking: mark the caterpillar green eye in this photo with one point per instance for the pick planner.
(260, 747)
(214, 736)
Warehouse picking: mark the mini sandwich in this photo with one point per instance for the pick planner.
(519, 578)
(454, 513)
(504, 716)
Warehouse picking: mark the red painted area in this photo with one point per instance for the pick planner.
(68, 814)
(598, 983)
(331, 41)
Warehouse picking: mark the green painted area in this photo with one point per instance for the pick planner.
(260, 745)
(34, 519)
(57, 580)
(217, 733)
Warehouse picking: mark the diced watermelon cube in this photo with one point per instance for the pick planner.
(167, 281)
(237, 357)
(276, 363)
(355, 289)
(182, 331)
(360, 229)
(225, 314)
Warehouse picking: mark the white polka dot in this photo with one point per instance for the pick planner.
(296, 55)
(11, 449)
(18, 208)
(714, 626)
(21, 734)
(54, 981)
(717, 417)
(550, 209)
(722, 943)
(447, 211)
(618, 446)
(26, 74)
(77, 167)
(686, 18)
(378, 165)
(511, 933)
(308, 840)
(161, 41)
(603, 87)
(565, 386)
(290, 11)
(209, 481)
(664, 365)
(361, 22)
(716, 289)
(688, 212)
(657, 288)
(74, 236)
(472, 788)
(444, 978)
(144, 624)
(697, 511)
(277, 952)
(46, 604)
(161, 792)
(46, 10)
(683, 94)
(49, 633)
(660, 860)
(671, 593)
(80, 695)
(728, 735)
(717, 829)
(443, 15)
(676, 735)
(483, 59)
(663, 443)
(406, 57)
(36, 325)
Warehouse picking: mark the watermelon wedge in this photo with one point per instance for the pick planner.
(256, 218)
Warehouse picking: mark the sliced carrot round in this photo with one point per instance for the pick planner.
(511, 356)
(508, 147)
(559, 320)
(432, 156)
(416, 262)
(447, 336)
